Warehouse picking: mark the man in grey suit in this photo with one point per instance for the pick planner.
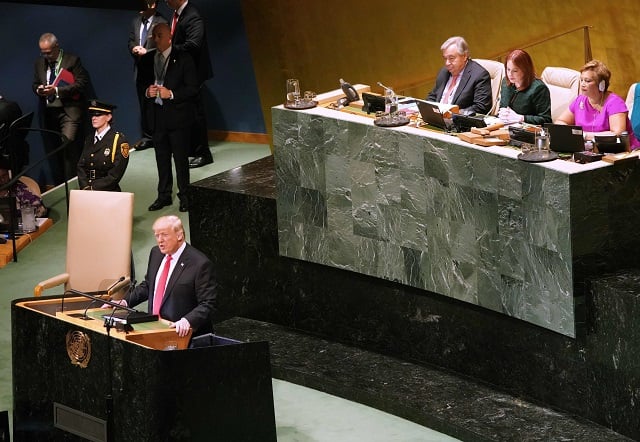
(140, 42)
(462, 81)
(60, 81)
(179, 285)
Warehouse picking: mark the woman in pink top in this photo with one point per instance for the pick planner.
(597, 110)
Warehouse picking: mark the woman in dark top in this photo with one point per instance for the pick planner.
(524, 98)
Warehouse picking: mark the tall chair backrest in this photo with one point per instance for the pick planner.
(563, 86)
(496, 72)
(98, 241)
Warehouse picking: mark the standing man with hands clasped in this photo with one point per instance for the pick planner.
(171, 86)
(179, 283)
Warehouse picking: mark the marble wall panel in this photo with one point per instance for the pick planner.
(435, 214)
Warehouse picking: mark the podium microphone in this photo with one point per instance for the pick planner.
(122, 278)
(108, 291)
(99, 299)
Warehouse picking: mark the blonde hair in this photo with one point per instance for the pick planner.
(601, 70)
(172, 221)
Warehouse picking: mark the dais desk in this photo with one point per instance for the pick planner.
(468, 222)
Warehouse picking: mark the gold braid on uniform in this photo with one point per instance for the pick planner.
(113, 148)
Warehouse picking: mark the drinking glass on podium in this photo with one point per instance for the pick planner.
(293, 91)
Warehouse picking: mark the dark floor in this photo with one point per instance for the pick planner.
(428, 396)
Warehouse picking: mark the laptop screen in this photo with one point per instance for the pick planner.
(431, 114)
(565, 138)
(609, 144)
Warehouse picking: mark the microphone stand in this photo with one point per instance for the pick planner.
(108, 323)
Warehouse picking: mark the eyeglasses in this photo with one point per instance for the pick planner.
(47, 52)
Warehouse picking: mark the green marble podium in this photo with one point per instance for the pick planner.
(129, 391)
(472, 223)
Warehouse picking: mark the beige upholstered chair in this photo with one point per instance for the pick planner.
(631, 98)
(31, 184)
(496, 72)
(563, 86)
(98, 242)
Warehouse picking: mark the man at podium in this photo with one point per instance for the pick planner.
(179, 283)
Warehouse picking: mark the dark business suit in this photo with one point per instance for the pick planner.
(474, 89)
(190, 292)
(64, 114)
(15, 146)
(190, 36)
(170, 122)
(134, 40)
(134, 33)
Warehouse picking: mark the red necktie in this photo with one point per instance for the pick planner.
(174, 22)
(162, 284)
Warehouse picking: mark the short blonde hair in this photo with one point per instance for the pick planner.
(601, 70)
(172, 221)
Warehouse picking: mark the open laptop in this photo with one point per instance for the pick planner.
(431, 115)
(609, 144)
(565, 138)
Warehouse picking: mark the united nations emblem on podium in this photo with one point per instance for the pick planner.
(79, 348)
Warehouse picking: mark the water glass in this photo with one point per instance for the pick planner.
(542, 141)
(293, 91)
(28, 214)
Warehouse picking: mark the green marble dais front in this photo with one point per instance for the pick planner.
(432, 214)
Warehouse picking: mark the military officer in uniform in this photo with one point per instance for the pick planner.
(105, 155)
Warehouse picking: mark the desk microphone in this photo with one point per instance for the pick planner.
(385, 87)
(349, 91)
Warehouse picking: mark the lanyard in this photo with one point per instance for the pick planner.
(58, 62)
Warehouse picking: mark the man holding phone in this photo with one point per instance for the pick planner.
(60, 81)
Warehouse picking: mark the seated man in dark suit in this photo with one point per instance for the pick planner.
(179, 283)
(462, 81)
(12, 144)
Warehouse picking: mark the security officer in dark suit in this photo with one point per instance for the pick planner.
(105, 155)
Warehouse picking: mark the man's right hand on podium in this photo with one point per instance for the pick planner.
(121, 302)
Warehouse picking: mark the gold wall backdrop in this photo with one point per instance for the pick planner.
(397, 42)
